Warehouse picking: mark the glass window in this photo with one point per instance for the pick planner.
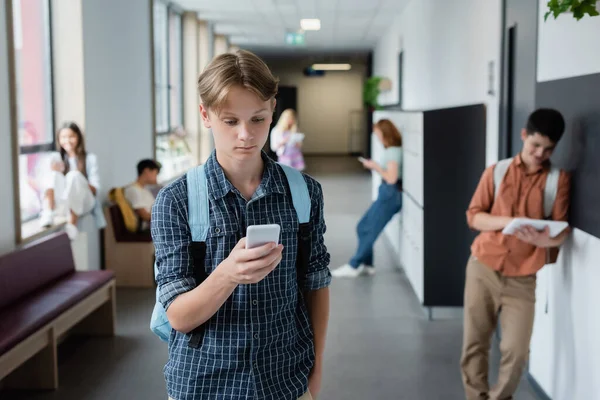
(33, 82)
(161, 73)
(175, 71)
(172, 150)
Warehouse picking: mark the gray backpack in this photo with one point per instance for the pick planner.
(549, 191)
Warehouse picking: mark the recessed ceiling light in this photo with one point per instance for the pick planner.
(310, 24)
(331, 67)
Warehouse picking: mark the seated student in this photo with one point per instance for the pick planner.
(138, 195)
(72, 181)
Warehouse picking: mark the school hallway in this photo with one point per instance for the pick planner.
(380, 343)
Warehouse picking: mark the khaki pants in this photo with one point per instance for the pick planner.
(486, 294)
(306, 396)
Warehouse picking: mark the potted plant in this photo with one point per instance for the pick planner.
(578, 7)
(371, 93)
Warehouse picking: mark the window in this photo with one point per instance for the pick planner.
(175, 71)
(161, 71)
(33, 83)
(172, 150)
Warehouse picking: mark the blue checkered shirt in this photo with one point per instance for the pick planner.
(259, 345)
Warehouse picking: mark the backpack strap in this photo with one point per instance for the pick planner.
(499, 173)
(199, 223)
(198, 220)
(550, 191)
(299, 191)
(301, 200)
(198, 203)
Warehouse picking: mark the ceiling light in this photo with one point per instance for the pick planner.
(331, 67)
(310, 24)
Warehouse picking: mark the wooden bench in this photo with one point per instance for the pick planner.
(129, 255)
(42, 300)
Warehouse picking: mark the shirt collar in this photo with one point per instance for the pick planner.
(219, 186)
(519, 162)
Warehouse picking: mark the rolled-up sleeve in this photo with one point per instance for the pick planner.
(483, 198)
(318, 275)
(172, 239)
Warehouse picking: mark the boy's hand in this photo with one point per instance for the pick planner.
(244, 266)
(532, 236)
(315, 380)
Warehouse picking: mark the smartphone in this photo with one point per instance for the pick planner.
(258, 235)
(361, 159)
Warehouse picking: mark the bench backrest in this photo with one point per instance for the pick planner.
(34, 266)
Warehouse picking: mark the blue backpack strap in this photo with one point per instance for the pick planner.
(302, 205)
(198, 203)
(198, 220)
(299, 192)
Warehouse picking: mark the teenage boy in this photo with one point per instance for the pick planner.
(501, 272)
(249, 330)
(138, 194)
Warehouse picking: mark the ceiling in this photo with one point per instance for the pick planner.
(346, 25)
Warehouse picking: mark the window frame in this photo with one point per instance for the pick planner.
(171, 9)
(40, 148)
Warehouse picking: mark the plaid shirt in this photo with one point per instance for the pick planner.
(259, 345)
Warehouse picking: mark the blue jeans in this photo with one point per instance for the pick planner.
(388, 203)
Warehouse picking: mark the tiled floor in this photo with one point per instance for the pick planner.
(380, 344)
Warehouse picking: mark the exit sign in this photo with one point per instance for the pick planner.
(294, 39)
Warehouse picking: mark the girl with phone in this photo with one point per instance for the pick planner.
(284, 143)
(388, 203)
(72, 182)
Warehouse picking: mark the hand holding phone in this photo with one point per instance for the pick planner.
(362, 159)
(255, 256)
(258, 235)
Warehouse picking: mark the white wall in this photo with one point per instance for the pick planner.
(118, 86)
(567, 47)
(118, 91)
(565, 351)
(447, 46)
(324, 106)
(7, 210)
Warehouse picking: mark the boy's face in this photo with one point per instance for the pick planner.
(241, 128)
(537, 148)
(150, 176)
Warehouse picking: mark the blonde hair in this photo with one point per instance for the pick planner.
(391, 135)
(283, 123)
(241, 68)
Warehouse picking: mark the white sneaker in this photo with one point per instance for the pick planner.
(369, 270)
(72, 231)
(347, 271)
(46, 218)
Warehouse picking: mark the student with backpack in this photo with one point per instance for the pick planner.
(240, 323)
(501, 272)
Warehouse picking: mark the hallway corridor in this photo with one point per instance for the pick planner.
(380, 343)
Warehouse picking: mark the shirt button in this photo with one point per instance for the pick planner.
(256, 336)
(217, 230)
(289, 226)
(255, 302)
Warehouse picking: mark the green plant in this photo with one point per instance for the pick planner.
(371, 92)
(578, 7)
